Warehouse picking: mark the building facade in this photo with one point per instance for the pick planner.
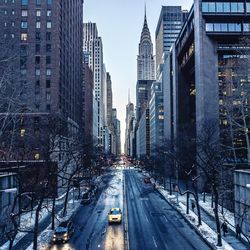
(47, 65)
(169, 25)
(242, 200)
(205, 84)
(92, 44)
(145, 58)
(88, 96)
(156, 115)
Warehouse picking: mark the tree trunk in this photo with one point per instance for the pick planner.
(36, 226)
(170, 187)
(197, 203)
(66, 201)
(53, 213)
(216, 215)
(187, 211)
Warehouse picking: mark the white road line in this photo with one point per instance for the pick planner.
(154, 242)
(147, 219)
(165, 219)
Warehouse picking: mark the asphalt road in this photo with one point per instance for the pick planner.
(152, 222)
(91, 221)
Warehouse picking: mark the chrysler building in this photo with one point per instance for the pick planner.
(145, 59)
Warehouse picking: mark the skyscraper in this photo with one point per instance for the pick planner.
(92, 44)
(145, 59)
(168, 27)
(46, 42)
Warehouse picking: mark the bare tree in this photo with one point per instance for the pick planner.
(236, 102)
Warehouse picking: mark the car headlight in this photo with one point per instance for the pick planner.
(54, 236)
(65, 235)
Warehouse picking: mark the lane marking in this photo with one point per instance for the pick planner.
(154, 242)
(166, 219)
(147, 218)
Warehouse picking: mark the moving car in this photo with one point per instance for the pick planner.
(115, 215)
(63, 232)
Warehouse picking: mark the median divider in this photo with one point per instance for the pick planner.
(125, 211)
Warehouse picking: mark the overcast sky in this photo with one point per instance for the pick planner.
(119, 24)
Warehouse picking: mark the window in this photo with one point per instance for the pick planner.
(219, 7)
(25, 2)
(24, 13)
(22, 132)
(38, 2)
(48, 84)
(24, 36)
(38, 36)
(48, 96)
(49, 25)
(48, 48)
(240, 7)
(48, 36)
(216, 27)
(223, 27)
(234, 7)
(38, 47)
(23, 72)
(13, 12)
(38, 72)
(38, 13)
(211, 7)
(13, 24)
(48, 72)
(226, 7)
(246, 27)
(38, 25)
(49, 13)
(48, 59)
(48, 107)
(24, 25)
(23, 50)
(38, 59)
(248, 7)
(49, 2)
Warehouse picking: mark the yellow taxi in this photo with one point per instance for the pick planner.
(115, 215)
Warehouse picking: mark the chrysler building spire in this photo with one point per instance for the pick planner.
(145, 59)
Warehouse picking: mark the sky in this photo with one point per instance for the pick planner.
(119, 23)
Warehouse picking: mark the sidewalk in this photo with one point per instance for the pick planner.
(208, 228)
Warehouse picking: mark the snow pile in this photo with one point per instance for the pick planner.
(204, 229)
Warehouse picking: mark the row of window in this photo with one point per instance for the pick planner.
(24, 13)
(24, 25)
(227, 27)
(224, 7)
(24, 36)
(37, 72)
(38, 2)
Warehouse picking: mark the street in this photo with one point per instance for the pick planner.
(152, 222)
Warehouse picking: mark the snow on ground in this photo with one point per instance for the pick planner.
(44, 239)
(27, 220)
(204, 229)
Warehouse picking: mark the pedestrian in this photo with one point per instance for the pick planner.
(224, 228)
(193, 205)
(238, 231)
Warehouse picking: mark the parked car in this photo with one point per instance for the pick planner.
(147, 180)
(93, 190)
(115, 215)
(86, 198)
(63, 232)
